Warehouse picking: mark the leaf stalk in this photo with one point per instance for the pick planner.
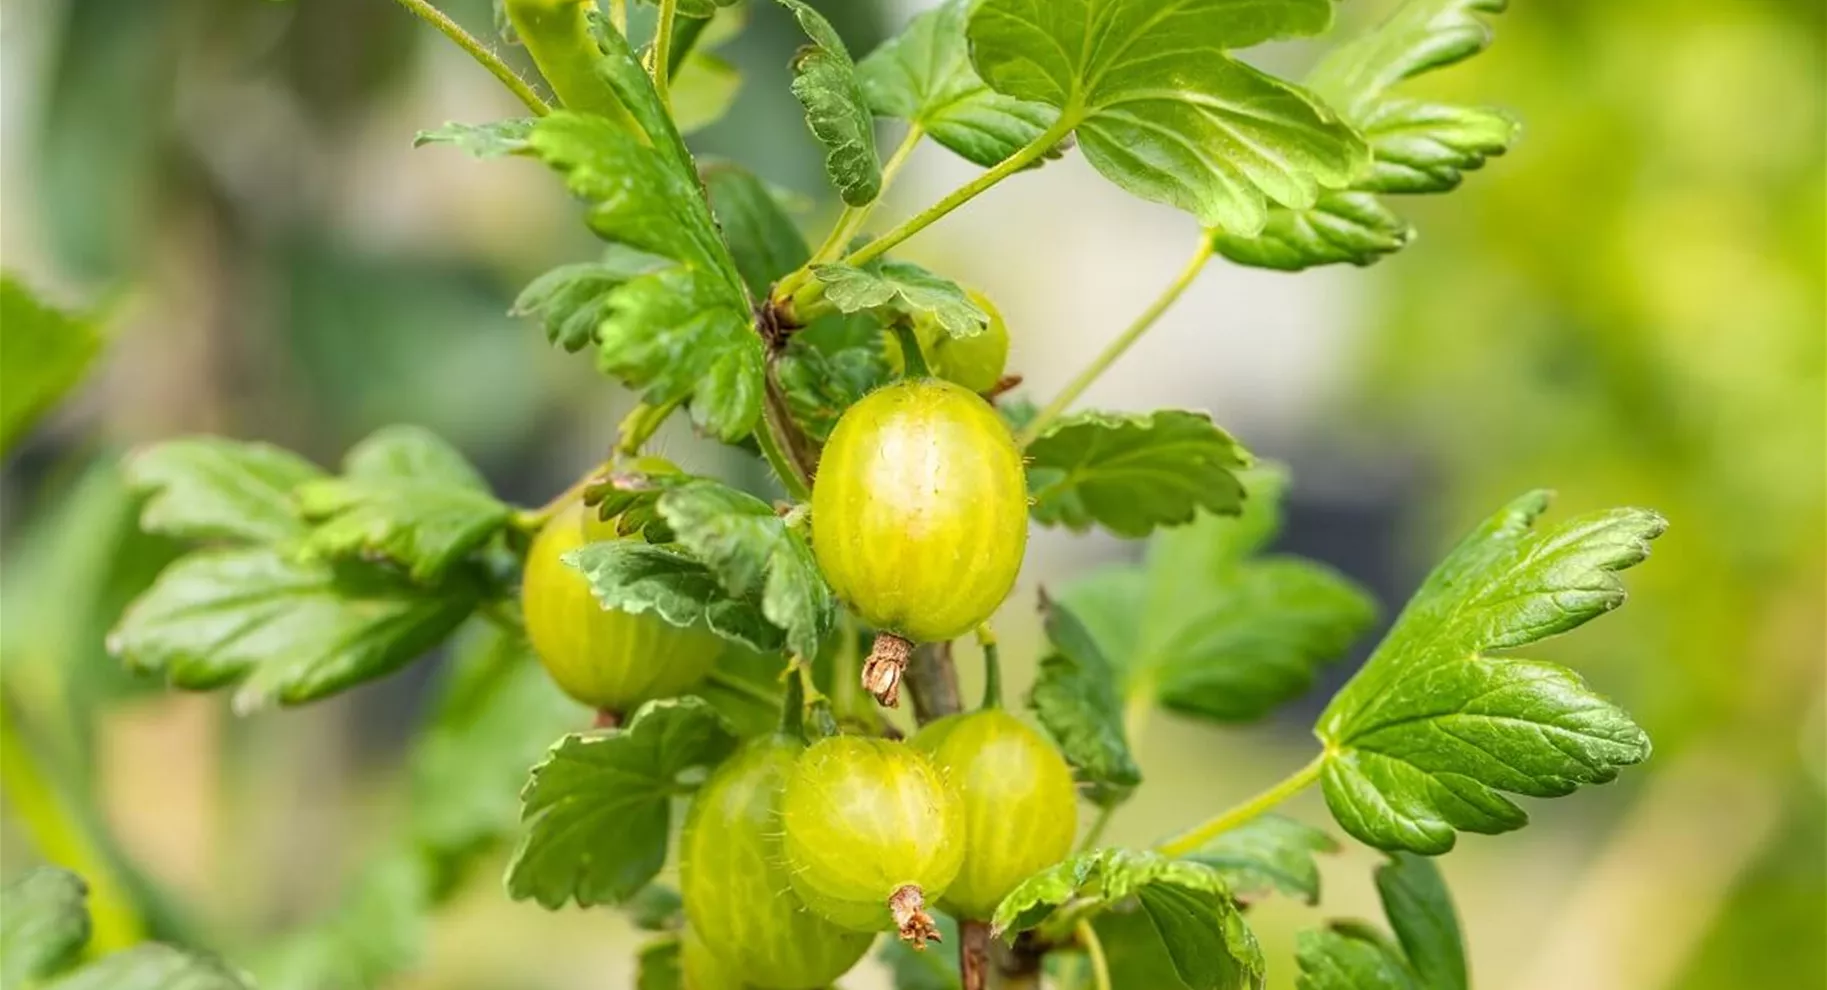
(1246, 811)
(480, 52)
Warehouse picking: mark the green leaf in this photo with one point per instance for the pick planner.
(44, 353)
(640, 577)
(1162, 109)
(1133, 473)
(1416, 147)
(1270, 853)
(703, 90)
(209, 488)
(45, 924)
(899, 287)
(753, 551)
(917, 970)
(571, 301)
(287, 630)
(153, 967)
(658, 967)
(657, 908)
(492, 140)
(762, 238)
(1188, 904)
(825, 81)
(1350, 957)
(820, 382)
(924, 76)
(407, 497)
(494, 715)
(1420, 743)
(598, 808)
(680, 331)
(1077, 701)
(1210, 626)
(1421, 911)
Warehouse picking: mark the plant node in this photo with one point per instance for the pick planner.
(884, 667)
(908, 905)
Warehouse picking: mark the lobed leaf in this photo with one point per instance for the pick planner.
(597, 809)
(1422, 740)
(924, 76)
(825, 82)
(763, 240)
(495, 139)
(286, 630)
(1133, 473)
(1347, 957)
(1188, 905)
(658, 965)
(1211, 627)
(405, 496)
(1420, 909)
(1077, 701)
(902, 288)
(639, 577)
(754, 552)
(1270, 853)
(210, 488)
(1162, 109)
(44, 353)
(573, 300)
(44, 926)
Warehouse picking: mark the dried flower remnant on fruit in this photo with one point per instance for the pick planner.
(908, 906)
(885, 666)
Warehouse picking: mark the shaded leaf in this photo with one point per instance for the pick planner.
(1423, 740)
(658, 966)
(640, 577)
(764, 241)
(1347, 957)
(598, 808)
(1077, 700)
(44, 353)
(924, 76)
(1133, 473)
(45, 924)
(286, 630)
(1420, 909)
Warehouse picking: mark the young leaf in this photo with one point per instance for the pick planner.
(289, 631)
(1270, 853)
(764, 241)
(1420, 743)
(1416, 147)
(753, 551)
(640, 577)
(496, 139)
(45, 923)
(1350, 957)
(899, 287)
(494, 716)
(1160, 106)
(598, 808)
(405, 496)
(684, 330)
(825, 81)
(916, 970)
(208, 488)
(571, 301)
(1420, 909)
(1188, 904)
(44, 353)
(1077, 701)
(924, 76)
(1132, 473)
(1215, 629)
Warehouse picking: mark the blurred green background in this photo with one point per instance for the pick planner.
(1630, 308)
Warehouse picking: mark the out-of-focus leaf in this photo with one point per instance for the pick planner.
(45, 923)
(209, 488)
(44, 352)
(491, 140)
(375, 933)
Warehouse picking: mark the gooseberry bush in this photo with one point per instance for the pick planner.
(741, 655)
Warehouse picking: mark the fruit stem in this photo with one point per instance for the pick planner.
(793, 708)
(885, 666)
(974, 954)
(1100, 364)
(1238, 814)
(913, 359)
(992, 666)
(1094, 948)
(908, 907)
(480, 52)
(932, 678)
(1096, 832)
(639, 425)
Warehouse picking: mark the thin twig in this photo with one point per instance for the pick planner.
(480, 52)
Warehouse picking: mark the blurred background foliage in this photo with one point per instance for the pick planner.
(1629, 308)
